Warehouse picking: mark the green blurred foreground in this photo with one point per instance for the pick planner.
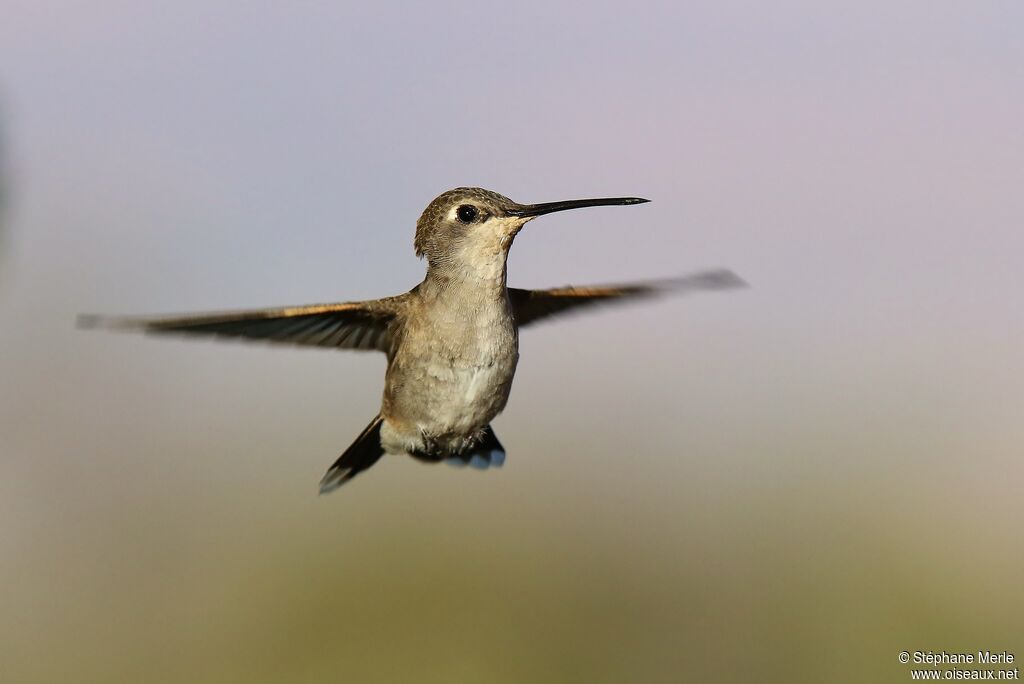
(439, 575)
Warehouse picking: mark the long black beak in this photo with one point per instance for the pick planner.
(549, 207)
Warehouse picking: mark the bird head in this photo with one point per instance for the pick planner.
(472, 229)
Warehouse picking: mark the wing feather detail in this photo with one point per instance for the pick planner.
(347, 325)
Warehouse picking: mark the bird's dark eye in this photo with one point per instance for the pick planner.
(467, 213)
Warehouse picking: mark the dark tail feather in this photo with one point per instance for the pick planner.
(363, 453)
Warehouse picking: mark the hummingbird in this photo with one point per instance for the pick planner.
(452, 341)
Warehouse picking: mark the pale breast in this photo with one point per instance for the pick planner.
(450, 377)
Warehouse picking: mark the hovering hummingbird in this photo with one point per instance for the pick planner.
(452, 342)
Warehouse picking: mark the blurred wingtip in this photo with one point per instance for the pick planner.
(724, 279)
(88, 321)
(715, 279)
(98, 321)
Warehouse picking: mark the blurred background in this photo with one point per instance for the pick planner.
(787, 483)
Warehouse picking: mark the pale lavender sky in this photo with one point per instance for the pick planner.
(860, 166)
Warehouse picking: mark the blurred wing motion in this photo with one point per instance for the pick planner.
(529, 306)
(350, 325)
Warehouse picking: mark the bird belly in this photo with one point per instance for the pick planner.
(442, 406)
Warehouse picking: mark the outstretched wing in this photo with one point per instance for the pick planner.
(529, 306)
(348, 325)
